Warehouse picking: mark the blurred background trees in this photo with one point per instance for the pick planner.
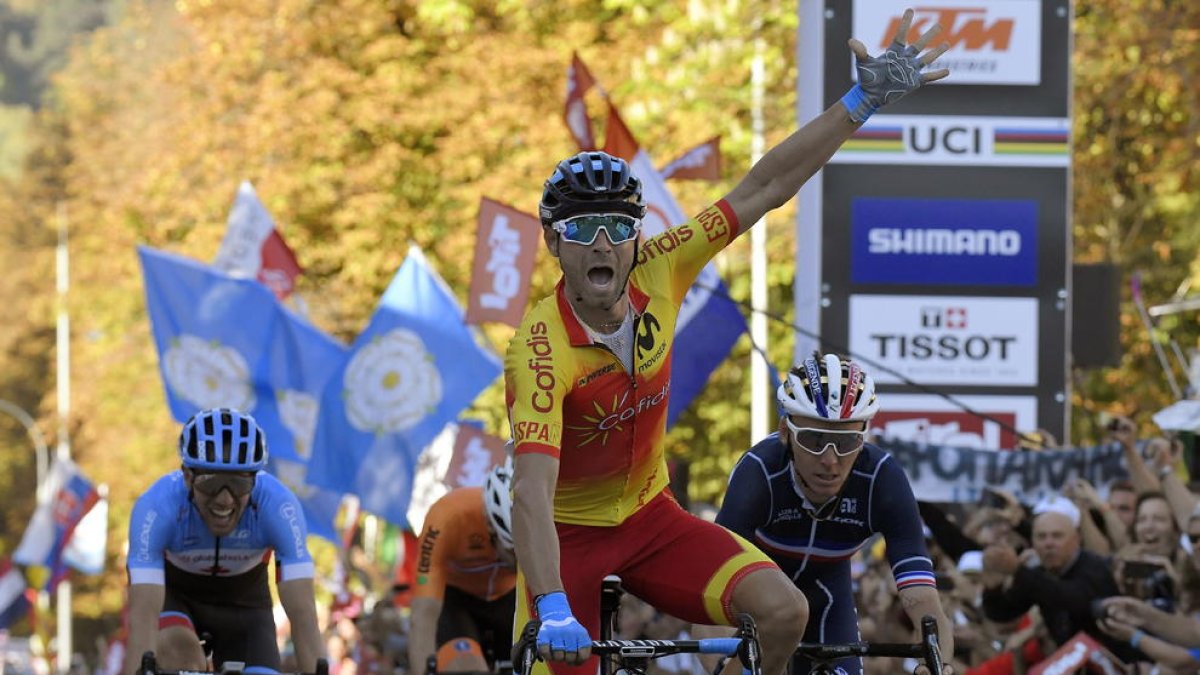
(367, 125)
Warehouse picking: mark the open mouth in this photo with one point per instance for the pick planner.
(601, 276)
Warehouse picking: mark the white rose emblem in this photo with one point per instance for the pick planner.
(391, 384)
(208, 374)
(298, 412)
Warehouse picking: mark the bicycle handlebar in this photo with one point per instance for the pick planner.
(928, 649)
(745, 646)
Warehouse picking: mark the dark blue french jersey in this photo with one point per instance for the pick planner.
(764, 504)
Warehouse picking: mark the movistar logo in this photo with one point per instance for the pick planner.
(943, 241)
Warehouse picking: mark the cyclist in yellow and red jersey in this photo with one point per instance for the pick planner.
(588, 376)
(463, 603)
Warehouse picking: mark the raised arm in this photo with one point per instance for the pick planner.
(882, 80)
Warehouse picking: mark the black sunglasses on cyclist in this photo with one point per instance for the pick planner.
(584, 229)
(210, 484)
(845, 442)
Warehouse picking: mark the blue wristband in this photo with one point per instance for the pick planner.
(857, 104)
(1136, 638)
(553, 606)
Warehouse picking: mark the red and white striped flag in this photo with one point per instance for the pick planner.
(579, 81)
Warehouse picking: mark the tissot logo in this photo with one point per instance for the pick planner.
(960, 340)
(951, 318)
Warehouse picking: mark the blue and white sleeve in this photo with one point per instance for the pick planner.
(286, 530)
(895, 515)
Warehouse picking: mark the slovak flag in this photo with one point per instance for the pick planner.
(66, 498)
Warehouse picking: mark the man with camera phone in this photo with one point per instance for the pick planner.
(1056, 574)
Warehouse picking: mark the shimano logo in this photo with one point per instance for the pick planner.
(943, 241)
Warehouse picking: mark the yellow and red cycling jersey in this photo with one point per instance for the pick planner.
(456, 549)
(572, 399)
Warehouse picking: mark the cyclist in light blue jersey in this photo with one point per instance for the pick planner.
(200, 540)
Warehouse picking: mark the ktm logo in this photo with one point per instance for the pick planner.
(645, 340)
(965, 28)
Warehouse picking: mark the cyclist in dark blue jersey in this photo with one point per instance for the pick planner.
(200, 540)
(813, 493)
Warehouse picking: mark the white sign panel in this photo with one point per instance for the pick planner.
(947, 339)
(997, 42)
(934, 420)
(959, 141)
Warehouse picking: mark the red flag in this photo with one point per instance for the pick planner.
(253, 247)
(506, 245)
(702, 162)
(279, 266)
(579, 81)
(1081, 651)
(475, 453)
(618, 139)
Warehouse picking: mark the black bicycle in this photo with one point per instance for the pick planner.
(634, 656)
(823, 656)
(150, 667)
(927, 650)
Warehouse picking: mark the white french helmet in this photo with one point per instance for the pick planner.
(497, 500)
(828, 388)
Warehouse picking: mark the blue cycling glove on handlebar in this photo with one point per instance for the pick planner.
(559, 628)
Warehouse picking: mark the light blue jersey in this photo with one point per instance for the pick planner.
(167, 528)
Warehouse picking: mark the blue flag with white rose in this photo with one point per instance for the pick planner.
(412, 371)
(227, 342)
(211, 332)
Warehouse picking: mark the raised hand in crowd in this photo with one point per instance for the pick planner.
(1099, 539)
(1121, 430)
(1164, 638)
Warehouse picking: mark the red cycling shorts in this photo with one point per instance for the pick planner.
(680, 564)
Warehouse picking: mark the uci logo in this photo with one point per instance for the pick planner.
(647, 329)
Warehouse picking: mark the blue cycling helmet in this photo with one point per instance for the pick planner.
(223, 439)
(591, 182)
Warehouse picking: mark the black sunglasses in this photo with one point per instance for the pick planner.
(210, 483)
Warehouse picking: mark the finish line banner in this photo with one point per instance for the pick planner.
(945, 474)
